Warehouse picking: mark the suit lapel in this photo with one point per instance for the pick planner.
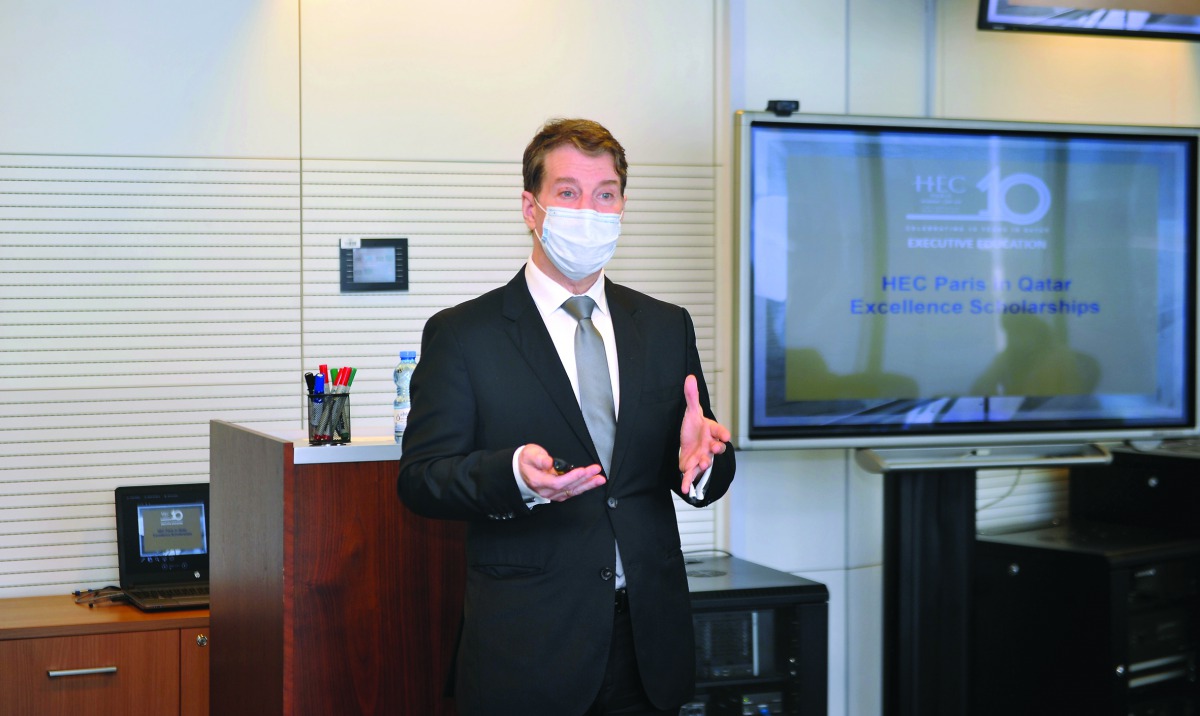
(528, 333)
(630, 348)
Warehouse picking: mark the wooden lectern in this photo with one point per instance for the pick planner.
(328, 595)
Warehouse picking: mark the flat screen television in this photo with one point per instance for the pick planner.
(927, 282)
(1171, 19)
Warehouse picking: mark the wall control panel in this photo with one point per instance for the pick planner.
(373, 264)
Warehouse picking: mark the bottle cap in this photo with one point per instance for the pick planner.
(408, 355)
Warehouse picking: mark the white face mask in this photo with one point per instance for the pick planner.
(579, 242)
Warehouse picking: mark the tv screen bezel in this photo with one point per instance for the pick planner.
(986, 22)
(810, 438)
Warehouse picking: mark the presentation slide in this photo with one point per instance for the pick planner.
(968, 277)
(172, 530)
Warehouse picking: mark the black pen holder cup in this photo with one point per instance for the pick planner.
(328, 418)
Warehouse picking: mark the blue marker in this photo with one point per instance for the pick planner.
(316, 408)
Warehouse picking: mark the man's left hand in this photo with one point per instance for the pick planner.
(700, 439)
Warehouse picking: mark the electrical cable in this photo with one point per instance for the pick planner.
(1005, 496)
(99, 595)
(713, 552)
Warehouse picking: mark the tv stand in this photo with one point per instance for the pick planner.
(883, 460)
(928, 555)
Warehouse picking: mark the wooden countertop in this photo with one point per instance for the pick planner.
(37, 617)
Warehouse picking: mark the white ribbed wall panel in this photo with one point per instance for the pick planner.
(1007, 500)
(139, 297)
(465, 236)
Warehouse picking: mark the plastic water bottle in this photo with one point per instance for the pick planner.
(402, 376)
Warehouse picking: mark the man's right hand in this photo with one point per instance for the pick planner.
(537, 470)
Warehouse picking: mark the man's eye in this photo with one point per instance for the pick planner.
(567, 194)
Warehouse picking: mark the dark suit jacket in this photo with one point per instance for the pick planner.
(539, 604)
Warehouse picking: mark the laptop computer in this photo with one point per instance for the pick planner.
(162, 545)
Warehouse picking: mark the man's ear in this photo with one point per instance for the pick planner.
(527, 210)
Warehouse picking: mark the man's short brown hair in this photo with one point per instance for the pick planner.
(587, 136)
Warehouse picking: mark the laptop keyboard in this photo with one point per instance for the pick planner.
(172, 592)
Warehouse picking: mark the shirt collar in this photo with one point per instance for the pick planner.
(549, 296)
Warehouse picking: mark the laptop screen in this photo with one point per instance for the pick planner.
(162, 534)
(172, 530)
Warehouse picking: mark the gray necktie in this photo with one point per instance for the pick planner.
(595, 387)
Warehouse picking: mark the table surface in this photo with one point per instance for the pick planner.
(49, 616)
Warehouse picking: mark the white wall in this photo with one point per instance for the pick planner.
(125, 77)
(149, 263)
(173, 179)
(474, 80)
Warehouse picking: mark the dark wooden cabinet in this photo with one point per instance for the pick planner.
(62, 658)
(333, 597)
(1100, 614)
(1086, 618)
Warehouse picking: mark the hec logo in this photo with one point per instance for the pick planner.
(996, 188)
(941, 184)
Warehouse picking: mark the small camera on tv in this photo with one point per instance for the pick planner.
(783, 107)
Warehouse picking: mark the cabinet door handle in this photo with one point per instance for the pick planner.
(56, 674)
(201, 640)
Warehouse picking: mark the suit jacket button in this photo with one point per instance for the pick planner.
(606, 574)
(612, 502)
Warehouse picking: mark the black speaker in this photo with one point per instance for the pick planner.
(761, 640)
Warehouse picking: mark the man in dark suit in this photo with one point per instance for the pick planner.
(577, 598)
